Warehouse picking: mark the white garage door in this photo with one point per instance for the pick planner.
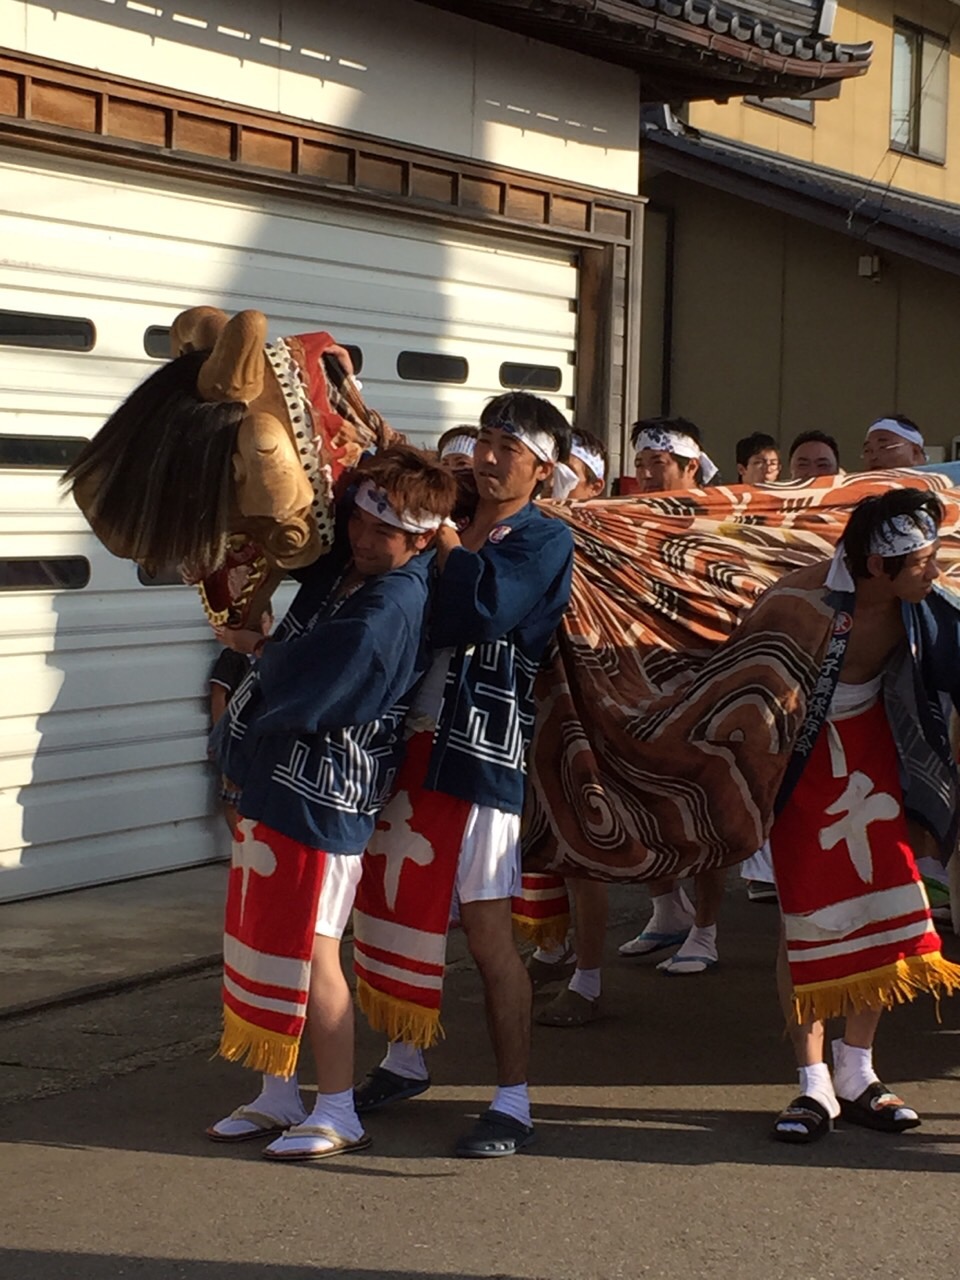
(103, 717)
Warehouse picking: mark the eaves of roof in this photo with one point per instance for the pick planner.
(688, 49)
(877, 215)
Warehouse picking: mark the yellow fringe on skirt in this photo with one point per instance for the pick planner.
(256, 1048)
(543, 933)
(877, 989)
(400, 1019)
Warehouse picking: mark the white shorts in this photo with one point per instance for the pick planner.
(341, 875)
(489, 865)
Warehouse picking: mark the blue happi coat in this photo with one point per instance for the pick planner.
(314, 734)
(497, 607)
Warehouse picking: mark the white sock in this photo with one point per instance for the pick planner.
(551, 955)
(815, 1082)
(586, 983)
(512, 1100)
(405, 1060)
(852, 1069)
(333, 1111)
(279, 1097)
(337, 1111)
(700, 941)
(672, 912)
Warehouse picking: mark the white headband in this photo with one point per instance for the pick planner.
(589, 458)
(900, 535)
(565, 480)
(375, 501)
(662, 440)
(897, 429)
(459, 444)
(540, 443)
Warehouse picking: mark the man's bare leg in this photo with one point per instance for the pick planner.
(489, 931)
(505, 1128)
(330, 1031)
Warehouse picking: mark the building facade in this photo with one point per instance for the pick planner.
(451, 189)
(803, 256)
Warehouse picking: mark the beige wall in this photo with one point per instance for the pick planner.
(852, 133)
(773, 330)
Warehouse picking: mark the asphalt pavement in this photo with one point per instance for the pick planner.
(652, 1156)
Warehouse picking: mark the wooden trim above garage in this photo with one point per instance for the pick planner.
(72, 111)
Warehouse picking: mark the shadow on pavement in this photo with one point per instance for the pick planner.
(42, 1265)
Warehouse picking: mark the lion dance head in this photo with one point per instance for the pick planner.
(223, 462)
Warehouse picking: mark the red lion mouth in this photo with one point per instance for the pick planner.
(228, 592)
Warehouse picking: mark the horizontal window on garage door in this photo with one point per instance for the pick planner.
(46, 453)
(530, 377)
(47, 573)
(55, 333)
(431, 366)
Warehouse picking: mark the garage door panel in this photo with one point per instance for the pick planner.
(103, 733)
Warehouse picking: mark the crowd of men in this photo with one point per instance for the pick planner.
(375, 752)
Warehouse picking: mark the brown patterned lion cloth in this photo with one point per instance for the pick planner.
(662, 737)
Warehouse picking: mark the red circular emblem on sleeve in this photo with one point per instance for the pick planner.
(842, 624)
(498, 533)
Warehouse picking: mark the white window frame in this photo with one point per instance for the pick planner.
(928, 110)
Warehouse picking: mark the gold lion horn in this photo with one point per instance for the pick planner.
(196, 330)
(234, 369)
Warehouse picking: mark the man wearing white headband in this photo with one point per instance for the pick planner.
(455, 448)
(585, 471)
(872, 754)
(893, 442)
(669, 456)
(312, 739)
(503, 584)
(669, 459)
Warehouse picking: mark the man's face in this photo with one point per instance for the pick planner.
(662, 472)
(761, 468)
(586, 487)
(379, 547)
(505, 469)
(884, 449)
(920, 571)
(813, 459)
(456, 462)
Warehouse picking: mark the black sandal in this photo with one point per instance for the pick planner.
(382, 1087)
(805, 1120)
(495, 1134)
(879, 1108)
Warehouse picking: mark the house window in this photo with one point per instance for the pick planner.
(44, 453)
(795, 108)
(54, 333)
(156, 341)
(918, 103)
(63, 573)
(530, 377)
(431, 366)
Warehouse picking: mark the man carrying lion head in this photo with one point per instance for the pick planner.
(310, 743)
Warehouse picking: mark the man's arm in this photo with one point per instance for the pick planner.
(483, 596)
(347, 671)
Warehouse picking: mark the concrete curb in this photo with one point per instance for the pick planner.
(111, 987)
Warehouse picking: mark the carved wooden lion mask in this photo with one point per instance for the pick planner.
(223, 462)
